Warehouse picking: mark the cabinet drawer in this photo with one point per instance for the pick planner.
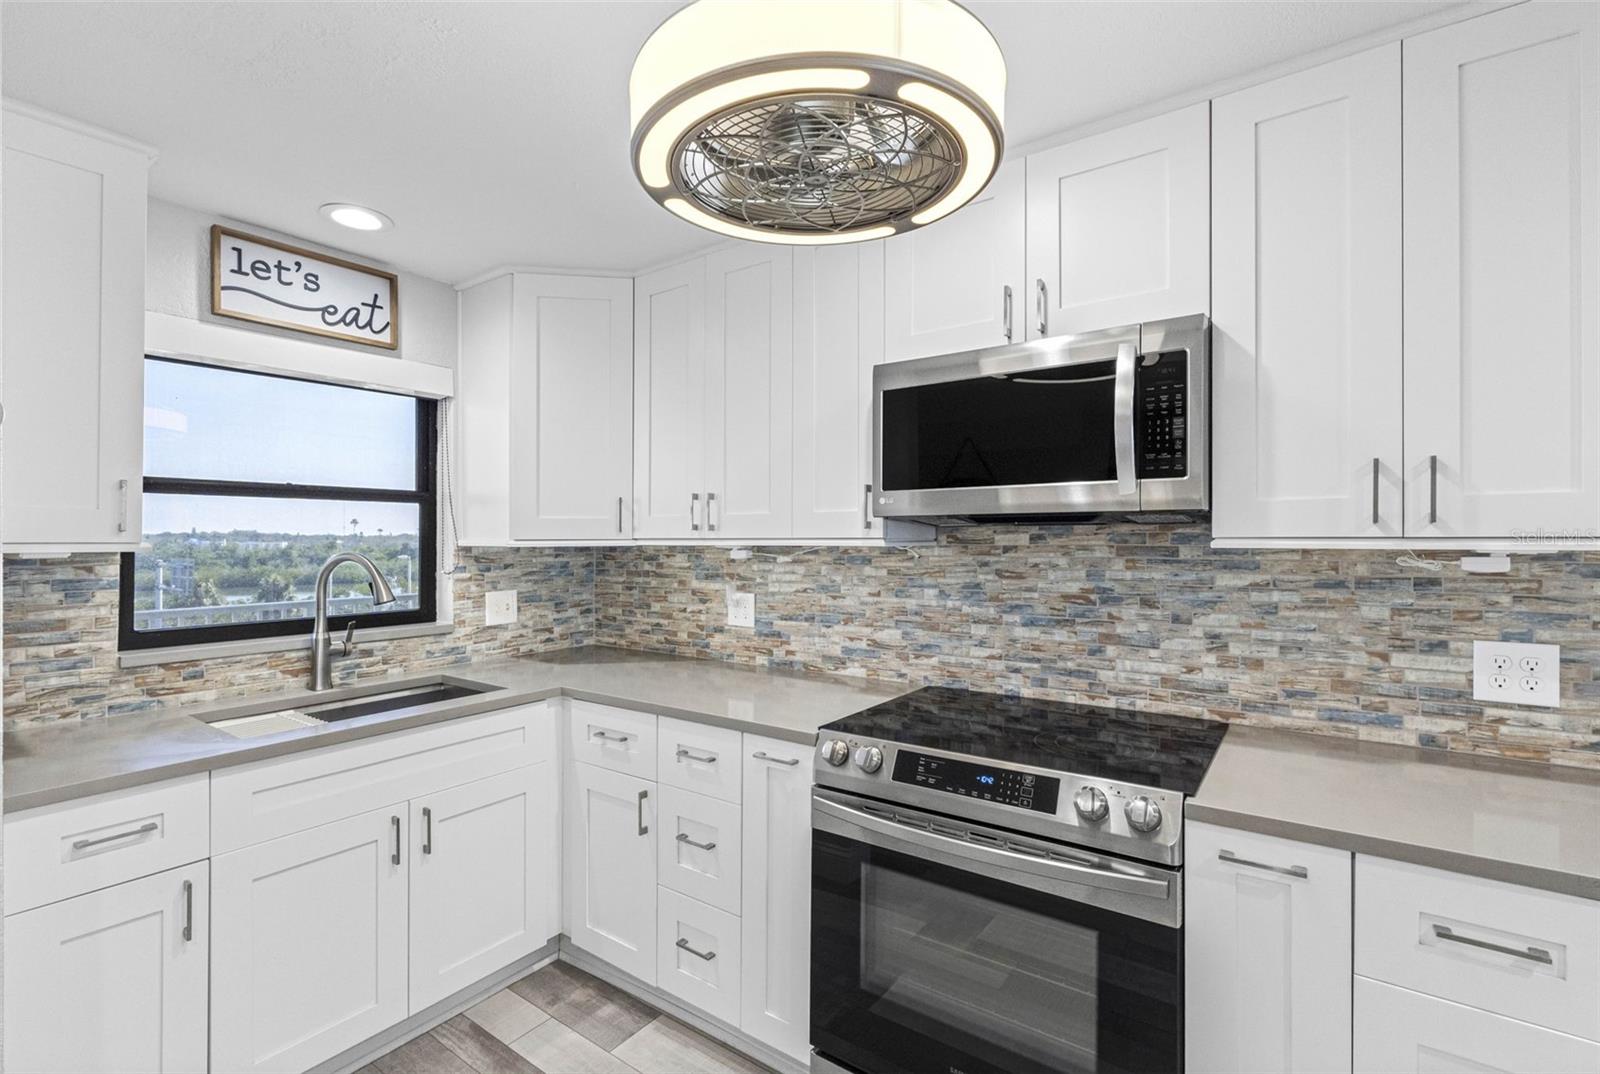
(698, 758)
(619, 739)
(698, 955)
(1531, 955)
(698, 849)
(256, 802)
(1398, 1031)
(57, 851)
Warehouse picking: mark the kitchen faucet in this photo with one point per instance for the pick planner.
(321, 644)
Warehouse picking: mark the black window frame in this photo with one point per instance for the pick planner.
(425, 496)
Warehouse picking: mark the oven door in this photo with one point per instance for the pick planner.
(972, 953)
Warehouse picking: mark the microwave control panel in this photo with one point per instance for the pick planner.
(1161, 414)
(984, 782)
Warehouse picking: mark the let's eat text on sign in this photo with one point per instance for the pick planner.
(256, 279)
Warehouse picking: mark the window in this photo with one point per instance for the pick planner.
(252, 481)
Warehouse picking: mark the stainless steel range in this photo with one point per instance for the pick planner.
(997, 886)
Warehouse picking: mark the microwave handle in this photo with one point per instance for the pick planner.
(1127, 482)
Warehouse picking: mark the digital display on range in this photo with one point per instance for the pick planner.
(987, 783)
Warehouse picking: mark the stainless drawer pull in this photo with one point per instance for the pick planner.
(1374, 492)
(609, 737)
(866, 507)
(683, 837)
(1531, 954)
(1005, 311)
(143, 829)
(122, 506)
(644, 829)
(694, 512)
(394, 859)
(1433, 489)
(692, 756)
(1297, 871)
(427, 830)
(763, 755)
(1044, 324)
(707, 955)
(188, 909)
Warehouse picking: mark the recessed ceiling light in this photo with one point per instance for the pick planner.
(358, 217)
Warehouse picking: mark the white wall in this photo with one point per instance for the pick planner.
(178, 282)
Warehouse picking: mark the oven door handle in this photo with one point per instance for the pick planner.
(1040, 871)
(1122, 418)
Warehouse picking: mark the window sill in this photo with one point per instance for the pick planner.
(177, 654)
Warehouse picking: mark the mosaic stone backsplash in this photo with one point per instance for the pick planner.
(60, 641)
(1342, 643)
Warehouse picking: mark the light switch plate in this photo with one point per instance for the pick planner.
(742, 609)
(1512, 673)
(500, 606)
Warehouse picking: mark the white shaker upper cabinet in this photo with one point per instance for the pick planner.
(74, 223)
(749, 352)
(838, 338)
(1118, 227)
(669, 401)
(1306, 329)
(957, 285)
(571, 397)
(1502, 274)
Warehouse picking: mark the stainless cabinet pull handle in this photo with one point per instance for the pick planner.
(1531, 954)
(619, 514)
(143, 829)
(866, 508)
(1006, 312)
(763, 755)
(609, 737)
(691, 755)
(1042, 295)
(1297, 871)
(427, 830)
(1433, 488)
(188, 909)
(644, 829)
(1374, 491)
(711, 501)
(694, 512)
(684, 838)
(707, 955)
(122, 506)
(394, 859)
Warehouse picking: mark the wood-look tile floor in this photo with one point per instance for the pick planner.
(560, 1020)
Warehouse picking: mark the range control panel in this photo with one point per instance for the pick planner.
(1160, 414)
(985, 782)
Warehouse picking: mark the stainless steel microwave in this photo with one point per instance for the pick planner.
(1098, 426)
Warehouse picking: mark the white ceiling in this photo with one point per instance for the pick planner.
(496, 133)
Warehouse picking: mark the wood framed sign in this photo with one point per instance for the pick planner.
(256, 279)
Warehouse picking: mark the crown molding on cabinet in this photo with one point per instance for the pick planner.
(67, 123)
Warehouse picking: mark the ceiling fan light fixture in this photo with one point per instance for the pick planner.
(812, 122)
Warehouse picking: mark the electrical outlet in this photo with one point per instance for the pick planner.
(500, 606)
(1512, 673)
(741, 609)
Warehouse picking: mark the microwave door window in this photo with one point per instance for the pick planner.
(1045, 427)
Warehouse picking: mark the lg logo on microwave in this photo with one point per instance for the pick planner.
(890, 499)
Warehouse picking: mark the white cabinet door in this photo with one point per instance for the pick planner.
(308, 943)
(479, 417)
(669, 401)
(111, 981)
(1502, 259)
(775, 1006)
(1398, 1031)
(1119, 226)
(838, 338)
(1267, 934)
(610, 865)
(1306, 303)
(957, 285)
(74, 223)
(483, 857)
(571, 400)
(749, 384)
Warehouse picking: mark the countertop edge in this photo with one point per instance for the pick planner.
(1554, 880)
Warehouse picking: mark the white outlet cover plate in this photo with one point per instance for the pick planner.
(500, 606)
(742, 609)
(1543, 687)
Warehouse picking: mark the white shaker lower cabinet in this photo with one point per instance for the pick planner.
(485, 879)
(308, 943)
(1267, 939)
(114, 980)
(610, 868)
(776, 1003)
(697, 956)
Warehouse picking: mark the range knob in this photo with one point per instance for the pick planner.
(869, 758)
(1091, 804)
(1144, 815)
(835, 752)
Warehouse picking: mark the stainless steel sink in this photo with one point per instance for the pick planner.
(394, 700)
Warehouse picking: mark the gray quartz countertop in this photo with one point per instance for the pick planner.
(59, 762)
(1506, 820)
